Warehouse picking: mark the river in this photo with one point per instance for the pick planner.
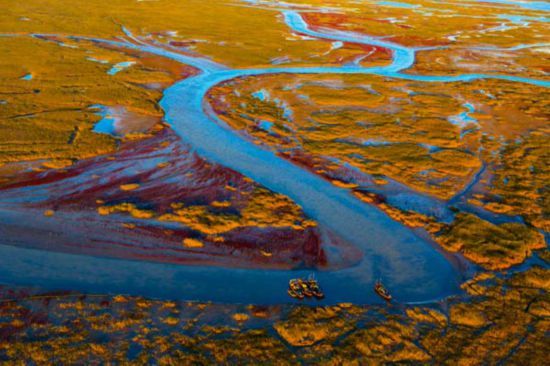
(408, 264)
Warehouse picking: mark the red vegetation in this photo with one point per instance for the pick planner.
(165, 171)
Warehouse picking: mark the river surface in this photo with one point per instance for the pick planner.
(409, 265)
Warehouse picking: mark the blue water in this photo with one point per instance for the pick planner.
(375, 142)
(396, 4)
(26, 77)
(532, 5)
(107, 122)
(409, 265)
(265, 125)
(431, 148)
(463, 119)
(523, 19)
(87, 274)
(336, 45)
(262, 95)
(93, 59)
(119, 67)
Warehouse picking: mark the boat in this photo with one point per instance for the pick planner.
(295, 284)
(295, 294)
(319, 294)
(382, 291)
(295, 289)
(299, 288)
(314, 287)
(306, 289)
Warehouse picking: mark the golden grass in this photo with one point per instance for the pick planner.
(520, 186)
(491, 246)
(263, 209)
(386, 127)
(504, 319)
(221, 29)
(48, 117)
(192, 243)
(457, 25)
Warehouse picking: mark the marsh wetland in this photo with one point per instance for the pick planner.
(166, 167)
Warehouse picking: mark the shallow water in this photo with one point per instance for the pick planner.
(27, 77)
(532, 5)
(107, 123)
(119, 67)
(396, 4)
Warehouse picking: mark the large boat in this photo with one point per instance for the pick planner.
(299, 288)
(382, 291)
(295, 294)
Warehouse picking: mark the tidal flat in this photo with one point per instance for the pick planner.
(167, 167)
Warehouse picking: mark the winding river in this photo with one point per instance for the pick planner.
(410, 266)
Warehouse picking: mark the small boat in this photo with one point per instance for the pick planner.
(382, 291)
(318, 294)
(314, 288)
